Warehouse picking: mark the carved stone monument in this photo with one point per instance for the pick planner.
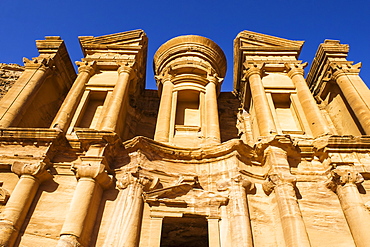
(95, 159)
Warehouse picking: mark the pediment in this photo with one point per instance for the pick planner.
(252, 40)
(125, 38)
(116, 43)
(185, 194)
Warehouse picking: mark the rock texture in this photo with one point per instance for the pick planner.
(9, 74)
(95, 159)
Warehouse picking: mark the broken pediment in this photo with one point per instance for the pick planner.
(185, 194)
(116, 43)
(247, 40)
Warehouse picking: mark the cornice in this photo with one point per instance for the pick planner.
(249, 43)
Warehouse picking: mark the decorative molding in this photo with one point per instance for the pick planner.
(4, 194)
(343, 176)
(36, 170)
(86, 169)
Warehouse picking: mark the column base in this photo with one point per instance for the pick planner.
(7, 234)
(69, 241)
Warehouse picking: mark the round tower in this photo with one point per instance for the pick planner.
(189, 71)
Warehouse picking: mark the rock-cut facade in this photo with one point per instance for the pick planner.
(94, 158)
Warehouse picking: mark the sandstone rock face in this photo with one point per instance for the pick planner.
(9, 74)
(95, 159)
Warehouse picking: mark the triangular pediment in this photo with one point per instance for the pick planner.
(114, 43)
(125, 38)
(252, 40)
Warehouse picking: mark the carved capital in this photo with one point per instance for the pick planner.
(4, 194)
(213, 78)
(341, 177)
(296, 69)
(126, 67)
(278, 179)
(37, 170)
(338, 69)
(128, 178)
(251, 69)
(166, 75)
(38, 63)
(86, 67)
(238, 180)
(92, 171)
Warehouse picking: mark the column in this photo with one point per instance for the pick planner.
(15, 212)
(80, 219)
(265, 120)
(120, 93)
(162, 129)
(283, 184)
(350, 92)
(213, 232)
(316, 121)
(213, 126)
(124, 230)
(66, 111)
(15, 103)
(155, 231)
(344, 182)
(238, 212)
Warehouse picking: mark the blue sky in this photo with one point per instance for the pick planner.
(22, 22)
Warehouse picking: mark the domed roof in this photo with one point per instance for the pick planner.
(196, 44)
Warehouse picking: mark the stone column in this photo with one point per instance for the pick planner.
(119, 95)
(32, 78)
(162, 129)
(80, 219)
(66, 111)
(238, 212)
(265, 120)
(283, 184)
(343, 76)
(213, 125)
(155, 231)
(125, 226)
(16, 209)
(316, 121)
(213, 232)
(344, 182)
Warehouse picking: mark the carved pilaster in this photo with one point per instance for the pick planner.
(92, 179)
(282, 183)
(344, 181)
(18, 99)
(126, 219)
(68, 108)
(345, 74)
(316, 121)
(118, 99)
(265, 120)
(213, 125)
(237, 209)
(16, 209)
(162, 128)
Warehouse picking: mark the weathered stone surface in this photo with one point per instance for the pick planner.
(98, 160)
(9, 74)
